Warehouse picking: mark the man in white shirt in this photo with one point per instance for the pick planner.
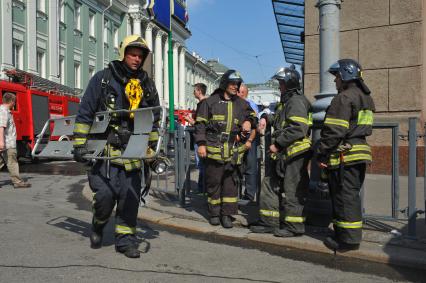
(8, 153)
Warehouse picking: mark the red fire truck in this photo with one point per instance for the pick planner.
(37, 101)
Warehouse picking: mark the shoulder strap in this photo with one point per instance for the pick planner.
(105, 80)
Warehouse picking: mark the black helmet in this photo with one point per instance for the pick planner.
(348, 69)
(230, 76)
(290, 76)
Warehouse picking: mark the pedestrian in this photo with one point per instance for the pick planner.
(122, 85)
(223, 122)
(200, 91)
(344, 152)
(249, 166)
(284, 187)
(8, 153)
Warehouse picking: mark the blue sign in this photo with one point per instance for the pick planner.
(161, 10)
(180, 11)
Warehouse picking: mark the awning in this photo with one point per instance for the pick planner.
(290, 17)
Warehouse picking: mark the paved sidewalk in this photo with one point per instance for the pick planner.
(379, 244)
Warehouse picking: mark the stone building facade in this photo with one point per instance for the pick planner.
(68, 41)
(388, 38)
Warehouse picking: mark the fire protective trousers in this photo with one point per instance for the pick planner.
(222, 190)
(122, 188)
(282, 201)
(346, 201)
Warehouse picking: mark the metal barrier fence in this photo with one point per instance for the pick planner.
(394, 174)
(177, 147)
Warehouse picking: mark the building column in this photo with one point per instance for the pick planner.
(148, 35)
(182, 76)
(53, 42)
(137, 18)
(175, 74)
(166, 71)
(31, 37)
(129, 25)
(158, 63)
(6, 35)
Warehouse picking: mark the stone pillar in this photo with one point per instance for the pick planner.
(158, 63)
(6, 35)
(31, 36)
(329, 21)
(175, 74)
(166, 71)
(182, 76)
(53, 42)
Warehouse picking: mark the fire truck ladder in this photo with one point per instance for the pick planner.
(37, 82)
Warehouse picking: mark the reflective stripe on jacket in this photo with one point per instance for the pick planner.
(93, 101)
(349, 119)
(292, 121)
(219, 122)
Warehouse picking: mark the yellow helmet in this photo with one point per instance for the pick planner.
(133, 40)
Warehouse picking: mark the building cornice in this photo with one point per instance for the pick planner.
(180, 30)
(19, 4)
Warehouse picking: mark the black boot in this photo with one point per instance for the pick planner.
(214, 220)
(334, 245)
(284, 233)
(130, 251)
(227, 222)
(96, 237)
(261, 229)
(331, 243)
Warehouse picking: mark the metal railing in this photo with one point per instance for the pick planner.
(394, 173)
(181, 154)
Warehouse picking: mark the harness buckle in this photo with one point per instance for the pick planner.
(224, 137)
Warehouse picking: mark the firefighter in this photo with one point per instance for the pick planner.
(223, 124)
(284, 187)
(344, 152)
(122, 85)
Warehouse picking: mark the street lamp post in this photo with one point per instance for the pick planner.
(317, 208)
(329, 12)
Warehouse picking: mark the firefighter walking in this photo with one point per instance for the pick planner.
(223, 121)
(344, 152)
(284, 187)
(123, 85)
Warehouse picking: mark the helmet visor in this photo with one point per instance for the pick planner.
(235, 77)
(334, 69)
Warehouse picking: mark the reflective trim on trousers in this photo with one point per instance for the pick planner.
(120, 229)
(229, 199)
(214, 201)
(295, 219)
(269, 213)
(348, 225)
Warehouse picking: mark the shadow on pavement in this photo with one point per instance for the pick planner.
(82, 228)
(410, 246)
